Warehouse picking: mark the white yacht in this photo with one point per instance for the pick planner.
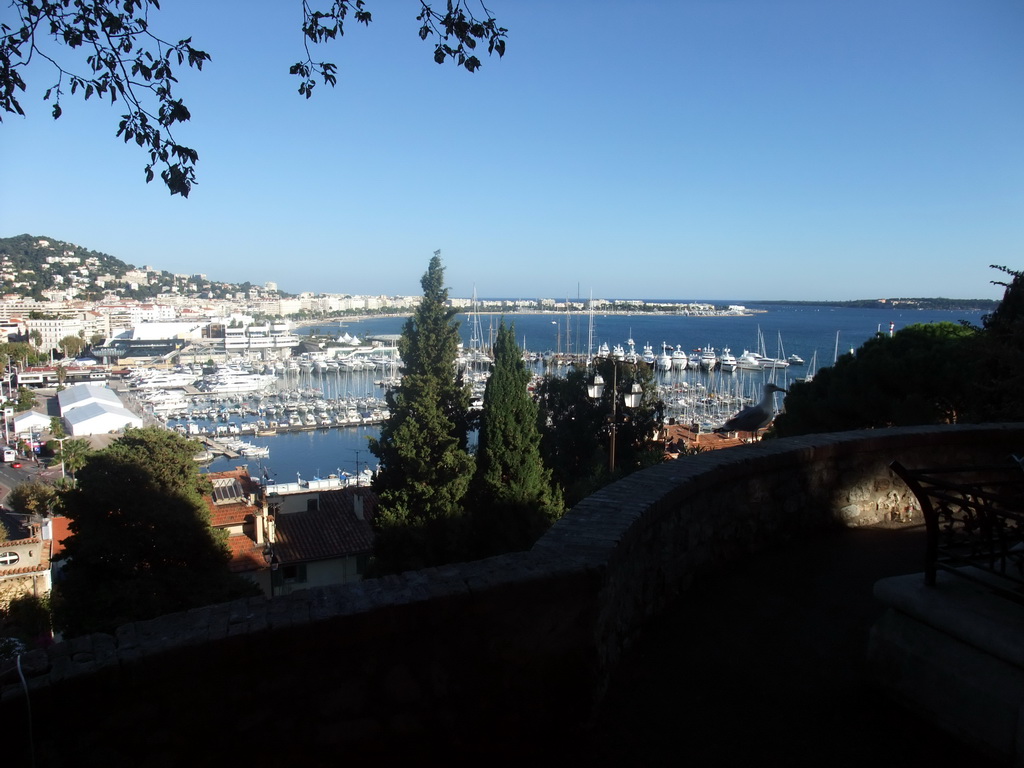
(150, 378)
(727, 362)
(648, 354)
(708, 358)
(228, 382)
(664, 359)
(679, 359)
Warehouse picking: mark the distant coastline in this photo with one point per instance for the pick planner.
(962, 305)
(899, 304)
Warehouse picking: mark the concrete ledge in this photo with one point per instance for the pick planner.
(970, 693)
(961, 609)
(954, 652)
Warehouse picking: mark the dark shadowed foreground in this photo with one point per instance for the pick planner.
(765, 663)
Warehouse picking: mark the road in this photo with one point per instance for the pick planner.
(12, 478)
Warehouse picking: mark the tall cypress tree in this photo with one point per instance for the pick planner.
(425, 468)
(513, 498)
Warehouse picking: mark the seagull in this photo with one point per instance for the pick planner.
(753, 417)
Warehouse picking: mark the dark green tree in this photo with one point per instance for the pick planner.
(18, 352)
(73, 452)
(571, 429)
(126, 60)
(636, 428)
(425, 467)
(1000, 397)
(513, 499)
(577, 430)
(26, 399)
(141, 543)
(924, 374)
(25, 618)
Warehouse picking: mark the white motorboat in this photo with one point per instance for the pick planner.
(664, 359)
(708, 358)
(727, 362)
(749, 361)
(227, 382)
(679, 359)
(648, 354)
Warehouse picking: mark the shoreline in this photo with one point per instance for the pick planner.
(536, 312)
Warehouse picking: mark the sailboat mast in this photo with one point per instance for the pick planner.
(568, 333)
(590, 330)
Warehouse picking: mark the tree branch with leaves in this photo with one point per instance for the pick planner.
(126, 60)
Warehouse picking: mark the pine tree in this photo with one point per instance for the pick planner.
(425, 467)
(514, 500)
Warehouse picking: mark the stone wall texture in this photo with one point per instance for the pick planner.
(486, 650)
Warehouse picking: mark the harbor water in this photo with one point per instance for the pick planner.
(814, 333)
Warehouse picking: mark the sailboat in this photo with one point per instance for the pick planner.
(812, 368)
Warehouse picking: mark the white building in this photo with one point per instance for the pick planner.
(258, 338)
(100, 419)
(88, 409)
(82, 394)
(53, 329)
(27, 422)
(190, 329)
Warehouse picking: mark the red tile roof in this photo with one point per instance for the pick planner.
(246, 554)
(61, 532)
(232, 513)
(331, 531)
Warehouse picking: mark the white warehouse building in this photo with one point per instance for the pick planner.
(88, 409)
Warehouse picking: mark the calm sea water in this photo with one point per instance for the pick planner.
(808, 331)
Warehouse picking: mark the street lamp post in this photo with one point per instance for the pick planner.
(631, 400)
(61, 449)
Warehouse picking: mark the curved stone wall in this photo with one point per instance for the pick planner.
(510, 644)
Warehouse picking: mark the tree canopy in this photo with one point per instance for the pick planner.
(513, 499)
(33, 498)
(127, 60)
(425, 467)
(1001, 397)
(73, 453)
(915, 377)
(71, 346)
(141, 543)
(577, 431)
(924, 374)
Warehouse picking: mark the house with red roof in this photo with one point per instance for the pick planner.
(315, 537)
(237, 507)
(328, 542)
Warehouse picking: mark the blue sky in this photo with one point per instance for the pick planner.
(711, 149)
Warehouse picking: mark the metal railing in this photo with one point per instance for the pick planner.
(974, 517)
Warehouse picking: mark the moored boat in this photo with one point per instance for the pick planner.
(708, 359)
(727, 361)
